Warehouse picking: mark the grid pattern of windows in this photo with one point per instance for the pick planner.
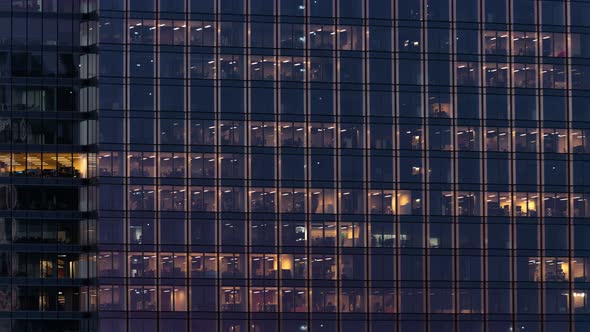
(48, 137)
(344, 165)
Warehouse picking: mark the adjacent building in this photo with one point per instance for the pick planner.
(294, 165)
(48, 136)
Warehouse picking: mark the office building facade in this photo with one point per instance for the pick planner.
(296, 165)
(48, 136)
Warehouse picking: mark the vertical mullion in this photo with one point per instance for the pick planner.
(246, 152)
(217, 139)
(571, 183)
(306, 144)
(187, 160)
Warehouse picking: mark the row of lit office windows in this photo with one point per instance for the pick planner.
(48, 164)
(495, 73)
(322, 169)
(354, 201)
(329, 266)
(322, 68)
(381, 170)
(376, 136)
(345, 37)
(46, 265)
(497, 235)
(331, 300)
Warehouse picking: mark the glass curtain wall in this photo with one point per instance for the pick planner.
(332, 165)
(48, 136)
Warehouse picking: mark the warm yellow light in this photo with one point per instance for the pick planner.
(286, 262)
